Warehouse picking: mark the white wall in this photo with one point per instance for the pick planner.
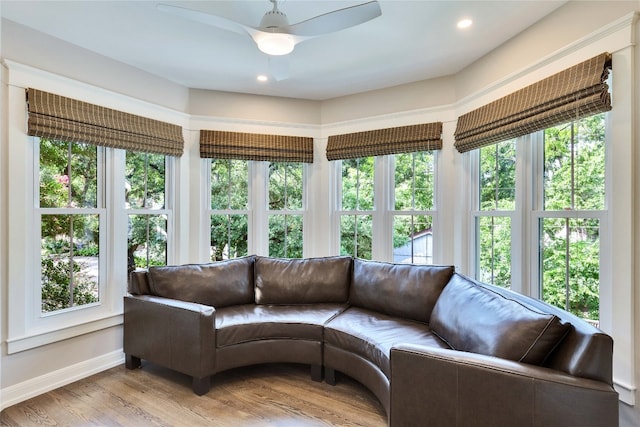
(554, 42)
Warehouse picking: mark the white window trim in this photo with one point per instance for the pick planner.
(258, 208)
(383, 212)
(27, 328)
(617, 271)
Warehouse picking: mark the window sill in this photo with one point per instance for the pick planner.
(27, 342)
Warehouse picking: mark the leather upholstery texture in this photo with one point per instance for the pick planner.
(406, 291)
(302, 281)
(435, 347)
(218, 284)
(475, 319)
(251, 322)
(372, 335)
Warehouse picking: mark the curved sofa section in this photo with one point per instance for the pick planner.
(435, 347)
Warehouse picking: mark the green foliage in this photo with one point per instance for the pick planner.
(574, 178)
(229, 236)
(68, 174)
(145, 180)
(494, 256)
(57, 286)
(229, 192)
(498, 176)
(146, 241)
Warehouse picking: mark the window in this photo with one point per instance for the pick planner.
(413, 204)
(229, 208)
(356, 207)
(148, 216)
(567, 210)
(265, 219)
(399, 219)
(285, 212)
(571, 214)
(71, 216)
(495, 210)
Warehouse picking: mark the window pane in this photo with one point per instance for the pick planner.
(285, 186)
(355, 235)
(413, 239)
(574, 165)
(570, 265)
(494, 250)
(228, 236)
(498, 176)
(145, 180)
(68, 174)
(414, 181)
(147, 241)
(70, 259)
(285, 236)
(229, 184)
(357, 184)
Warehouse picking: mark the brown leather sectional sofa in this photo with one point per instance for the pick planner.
(435, 347)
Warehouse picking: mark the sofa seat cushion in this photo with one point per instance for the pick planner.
(251, 322)
(302, 281)
(471, 317)
(371, 335)
(402, 290)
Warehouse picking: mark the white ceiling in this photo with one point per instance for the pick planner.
(411, 41)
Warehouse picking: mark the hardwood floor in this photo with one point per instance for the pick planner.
(265, 395)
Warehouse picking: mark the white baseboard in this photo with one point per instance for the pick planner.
(626, 393)
(27, 389)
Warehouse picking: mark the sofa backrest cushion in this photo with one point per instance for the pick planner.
(471, 317)
(403, 290)
(302, 281)
(217, 284)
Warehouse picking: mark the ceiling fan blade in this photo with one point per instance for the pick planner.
(336, 20)
(205, 18)
(279, 67)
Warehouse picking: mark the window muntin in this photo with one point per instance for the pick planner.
(229, 219)
(565, 214)
(493, 237)
(573, 209)
(574, 165)
(495, 207)
(386, 207)
(285, 212)
(145, 201)
(71, 216)
(413, 200)
(570, 265)
(356, 207)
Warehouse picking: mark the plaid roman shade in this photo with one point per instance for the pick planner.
(577, 92)
(57, 117)
(216, 144)
(404, 139)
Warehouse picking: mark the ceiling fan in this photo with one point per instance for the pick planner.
(275, 36)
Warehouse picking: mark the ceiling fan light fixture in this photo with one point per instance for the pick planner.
(275, 43)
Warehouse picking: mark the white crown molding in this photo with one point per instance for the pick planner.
(615, 36)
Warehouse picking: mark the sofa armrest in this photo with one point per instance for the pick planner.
(176, 334)
(433, 386)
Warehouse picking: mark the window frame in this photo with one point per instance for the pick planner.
(167, 209)
(100, 209)
(257, 211)
(529, 210)
(383, 212)
(26, 327)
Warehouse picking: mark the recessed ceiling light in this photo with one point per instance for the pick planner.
(464, 23)
(262, 78)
